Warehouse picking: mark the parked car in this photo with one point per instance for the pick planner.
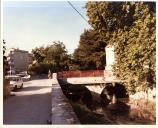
(26, 78)
(15, 82)
(22, 74)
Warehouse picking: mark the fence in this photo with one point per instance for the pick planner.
(89, 73)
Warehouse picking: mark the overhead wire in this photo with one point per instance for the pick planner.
(77, 11)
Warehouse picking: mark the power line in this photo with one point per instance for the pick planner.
(77, 11)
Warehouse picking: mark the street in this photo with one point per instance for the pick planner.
(29, 105)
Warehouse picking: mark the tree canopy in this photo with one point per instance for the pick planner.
(131, 28)
(53, 57)
(90, 53)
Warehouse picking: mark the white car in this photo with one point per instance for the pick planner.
(15, 82)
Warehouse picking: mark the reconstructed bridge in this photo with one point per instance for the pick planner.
(86, 77)
(62, 112)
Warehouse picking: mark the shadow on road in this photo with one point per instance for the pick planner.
(39, 77)
(27, 109)
(31, 88)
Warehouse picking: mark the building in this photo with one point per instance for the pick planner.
(18, 60)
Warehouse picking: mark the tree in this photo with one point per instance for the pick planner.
(57, 56)
(39, 54)
(130, 27)
(53, 57)
(107, 17)
(136, 50)
(5, 62)
(90, 53)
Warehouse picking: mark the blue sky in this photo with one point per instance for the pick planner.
(32, 24)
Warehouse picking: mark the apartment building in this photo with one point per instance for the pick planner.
(18, 60)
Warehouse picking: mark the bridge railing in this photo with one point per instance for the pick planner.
(89, 73)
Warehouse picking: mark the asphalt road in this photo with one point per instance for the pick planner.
(30, 105)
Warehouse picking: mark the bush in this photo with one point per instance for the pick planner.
(41, 68)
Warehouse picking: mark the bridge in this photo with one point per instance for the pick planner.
(62, 112)
(90, 77)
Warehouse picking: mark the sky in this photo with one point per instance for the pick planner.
(29, 24)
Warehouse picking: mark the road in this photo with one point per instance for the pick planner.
(30, 105)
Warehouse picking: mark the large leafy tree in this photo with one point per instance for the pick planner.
(57, 56)
(130, 27)
(90, 53)
(136, 50)
(107, 17)
(53, 57)
(39, 54)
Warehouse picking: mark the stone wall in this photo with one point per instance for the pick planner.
(62, 112)
(6, 88)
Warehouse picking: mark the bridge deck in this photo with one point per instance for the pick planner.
(87, 80)
(62, 111)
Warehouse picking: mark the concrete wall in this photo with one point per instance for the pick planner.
(110, 58)
(62, 111)
(82, 80)
(97, 88)
(88, 80)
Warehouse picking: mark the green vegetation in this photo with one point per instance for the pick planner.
(90, 53)
(53, 57)
(5, 62)
(131, 28)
